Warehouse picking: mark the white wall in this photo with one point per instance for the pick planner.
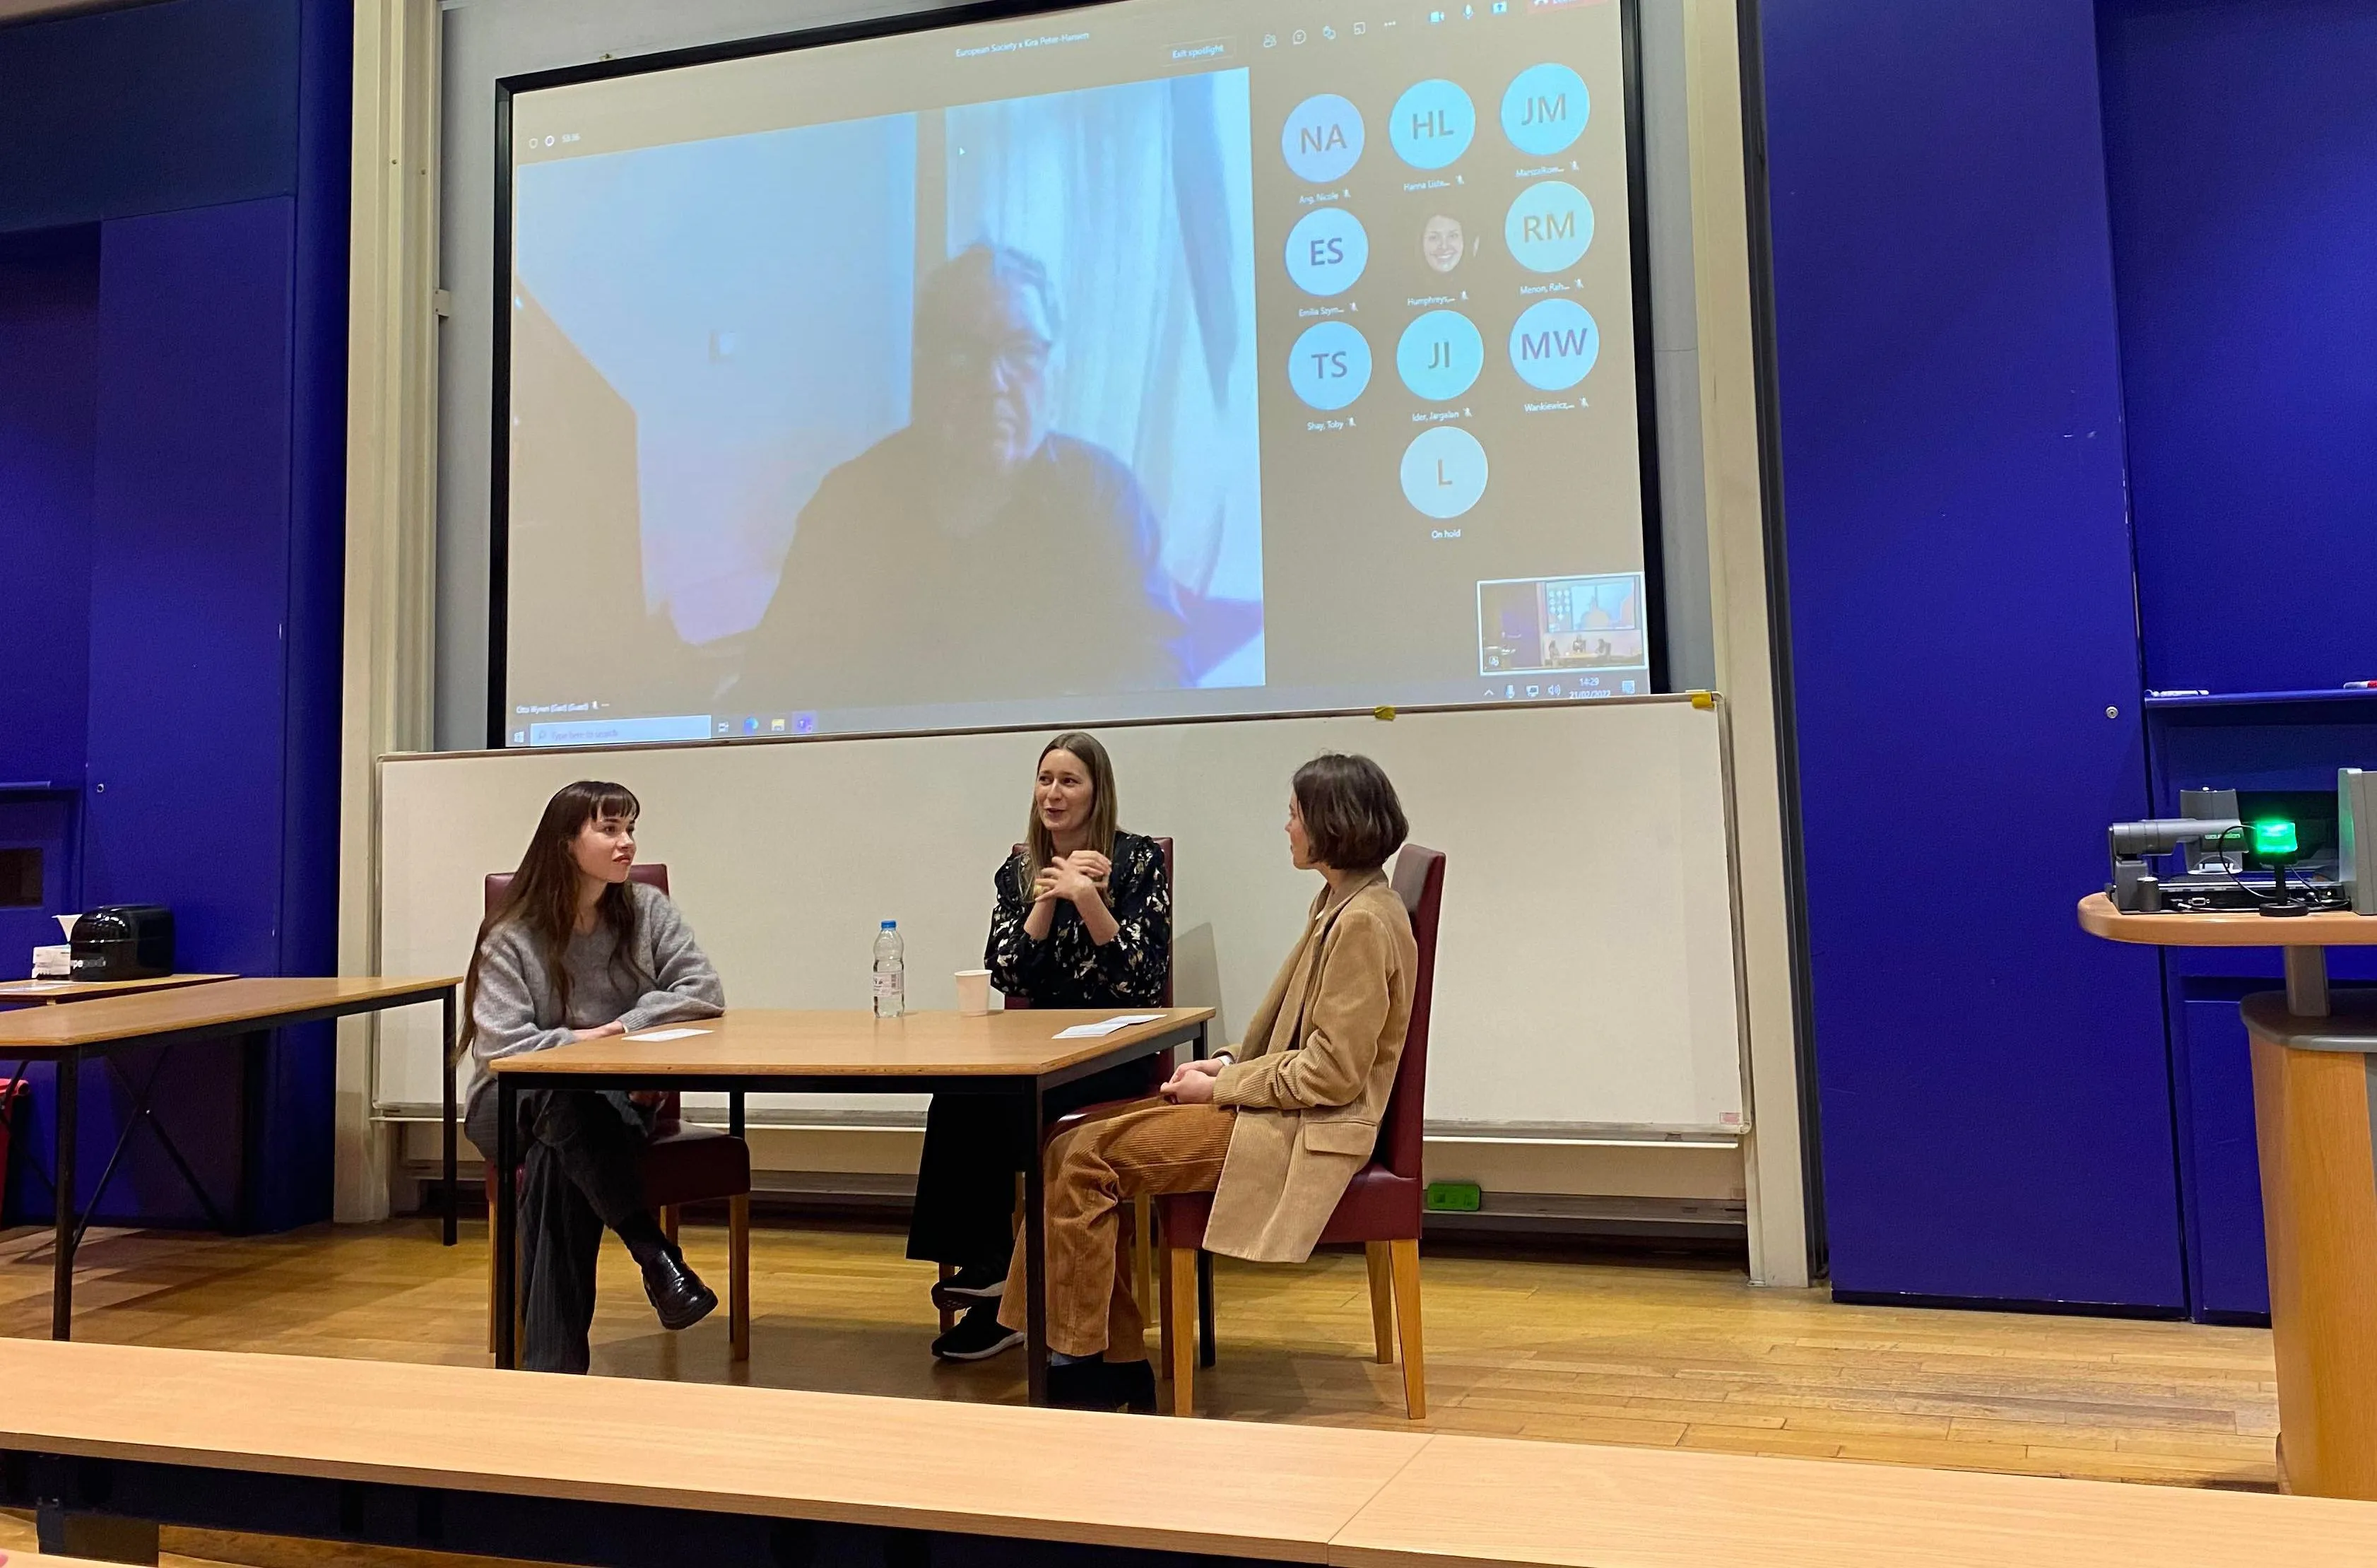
(1585, 972)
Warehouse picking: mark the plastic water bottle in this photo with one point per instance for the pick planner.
(890, 972)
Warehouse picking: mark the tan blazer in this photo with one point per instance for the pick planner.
(1314, 1075)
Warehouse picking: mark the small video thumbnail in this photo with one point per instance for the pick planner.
(1531, 623)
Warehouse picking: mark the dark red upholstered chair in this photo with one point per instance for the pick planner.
(1159, 1068)
(683, 1164)
(1381, 1209)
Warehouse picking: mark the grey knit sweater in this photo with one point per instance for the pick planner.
(519, 1009)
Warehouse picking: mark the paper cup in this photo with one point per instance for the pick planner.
(974, 992)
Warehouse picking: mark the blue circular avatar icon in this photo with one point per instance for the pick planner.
(1323, 140)
(1327, 250)
(1439, 355)
(1432, 124)
(1554, 344)
(1444, 471)
(1544, 109)
(1330, 366)
(1549, 226)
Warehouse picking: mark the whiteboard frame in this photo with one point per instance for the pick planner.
(878, 1115)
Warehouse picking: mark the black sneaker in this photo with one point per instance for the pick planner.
(978, 1336)
(969, 1287)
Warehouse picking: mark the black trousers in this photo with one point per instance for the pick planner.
(582, 1175)
(975, 1145)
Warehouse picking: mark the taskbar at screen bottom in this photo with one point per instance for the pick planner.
(596, 723)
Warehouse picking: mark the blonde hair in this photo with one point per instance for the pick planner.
(1039, 844)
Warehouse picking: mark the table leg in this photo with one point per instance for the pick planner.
(453, 1180)
(1035, 1256)
(251, 1131)
(2306, 981)
(506, 1217)
(62, 1179)
(734, 1112)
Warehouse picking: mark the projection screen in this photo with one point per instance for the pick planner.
(1150, 359)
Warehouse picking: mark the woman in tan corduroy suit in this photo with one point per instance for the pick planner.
(1274, 1130)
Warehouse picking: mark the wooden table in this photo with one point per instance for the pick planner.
(49, 993)
(244, 1009)
(2304, 937)
(631, 1473)
(2314, 1097)
(1014, 1054)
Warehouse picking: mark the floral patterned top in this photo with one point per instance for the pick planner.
(1066, 969)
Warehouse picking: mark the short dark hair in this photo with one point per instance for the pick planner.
(1352, 819)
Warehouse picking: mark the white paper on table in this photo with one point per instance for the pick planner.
(667, 1033)
(1105, 1026)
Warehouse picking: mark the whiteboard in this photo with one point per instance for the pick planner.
(1585, 973)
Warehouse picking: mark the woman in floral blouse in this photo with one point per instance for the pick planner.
(1083, 919)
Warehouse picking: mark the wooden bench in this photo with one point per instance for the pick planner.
(624, 1472)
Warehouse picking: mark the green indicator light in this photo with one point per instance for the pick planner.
(2274, 836)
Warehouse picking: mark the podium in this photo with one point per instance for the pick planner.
(2315, 1126)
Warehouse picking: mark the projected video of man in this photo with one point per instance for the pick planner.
(910, 420)
(1020, 558)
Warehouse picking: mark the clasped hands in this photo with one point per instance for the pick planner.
(1191, 1083)
(1075, 877)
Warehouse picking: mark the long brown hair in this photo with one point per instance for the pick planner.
(1039, 844)
(544, 894)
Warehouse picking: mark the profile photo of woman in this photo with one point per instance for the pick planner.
(574, 950)
(1082, 919)
(1442, 243)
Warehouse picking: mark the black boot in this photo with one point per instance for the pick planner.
(1102, 1385)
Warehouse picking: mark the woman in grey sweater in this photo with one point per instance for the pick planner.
(577, 952)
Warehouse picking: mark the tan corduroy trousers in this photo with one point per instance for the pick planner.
(1092, 1171)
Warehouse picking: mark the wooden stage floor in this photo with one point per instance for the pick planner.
(1584, 1349)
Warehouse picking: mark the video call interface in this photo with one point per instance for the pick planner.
(1155, 359)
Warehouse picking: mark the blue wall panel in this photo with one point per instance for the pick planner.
(299, 1174)
(49, 343)
(2229, 1273)
(1994, 1084)
(189, 616)
(190, 583)
(190, 103)
(192, 667)
(2242, 143)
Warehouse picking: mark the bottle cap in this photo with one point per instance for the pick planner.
(890, 925)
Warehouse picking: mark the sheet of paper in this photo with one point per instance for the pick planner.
(1105, 1027)
(667, 1033)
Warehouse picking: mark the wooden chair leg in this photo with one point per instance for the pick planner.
(1142, 1235)
(738, 1271)
(1404, 1262)
(1180, 1327)
(491, 1290)
(949, 1315)
(1163, 1319)
(1382, 1301)
(668, 1222)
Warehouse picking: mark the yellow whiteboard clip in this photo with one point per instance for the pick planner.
(1704, 700)
(1384, 715)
